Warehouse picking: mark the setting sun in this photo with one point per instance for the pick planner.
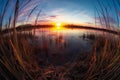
(58, 25)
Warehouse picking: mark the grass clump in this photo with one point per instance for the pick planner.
(18, 60)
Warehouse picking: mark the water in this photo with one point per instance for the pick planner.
(65, 40)
(59, 46)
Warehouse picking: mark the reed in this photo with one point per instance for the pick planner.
(14, 51)
(18, 60)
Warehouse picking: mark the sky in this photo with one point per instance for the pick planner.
(80, 12)
(69, 11)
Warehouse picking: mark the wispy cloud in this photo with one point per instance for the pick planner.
(67, 14)
(107, 19)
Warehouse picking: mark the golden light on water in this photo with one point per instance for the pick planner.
(58, 26)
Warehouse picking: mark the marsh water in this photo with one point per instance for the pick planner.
(63, 45)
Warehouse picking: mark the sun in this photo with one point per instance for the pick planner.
(58, 25)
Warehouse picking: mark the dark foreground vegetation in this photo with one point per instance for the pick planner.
(19, 60)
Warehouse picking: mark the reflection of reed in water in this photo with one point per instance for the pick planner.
(60, 42)
(56, 43)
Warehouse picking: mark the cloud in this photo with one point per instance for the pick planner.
(88, 23)
(58, 11)
(24, 11)
(109, 19)
(53, 16)
(44, 21)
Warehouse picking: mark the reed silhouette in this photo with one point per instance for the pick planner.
(19, 60)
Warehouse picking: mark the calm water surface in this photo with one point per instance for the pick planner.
(63, 44)
(66, 40)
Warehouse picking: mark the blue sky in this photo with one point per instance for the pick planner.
(80, 12)
(69, 11)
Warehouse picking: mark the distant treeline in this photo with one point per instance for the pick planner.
(30, 27)
(94, 28)
(26, 28)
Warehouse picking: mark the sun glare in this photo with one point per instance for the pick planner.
(58, 25)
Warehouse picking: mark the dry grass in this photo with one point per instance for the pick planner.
(17, 61)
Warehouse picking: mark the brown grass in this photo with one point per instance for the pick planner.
(17, 60)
